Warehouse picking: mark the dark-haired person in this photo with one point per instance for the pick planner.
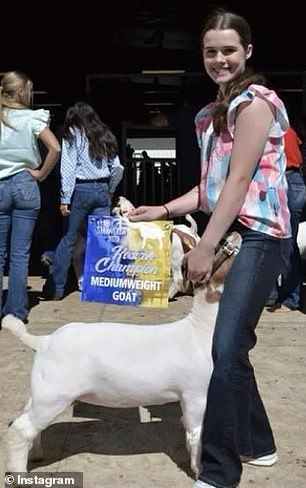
(90, 173)
(21, 169)
(243, 187)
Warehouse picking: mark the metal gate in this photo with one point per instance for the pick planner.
(151, 182)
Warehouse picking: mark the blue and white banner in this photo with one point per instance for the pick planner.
(127, 263)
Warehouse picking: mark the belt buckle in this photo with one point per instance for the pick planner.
(228, 248)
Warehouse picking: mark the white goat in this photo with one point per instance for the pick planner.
(120, 365)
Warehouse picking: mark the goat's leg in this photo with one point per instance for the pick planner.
(36, 452)
(193, 414)
(193, 442)
(21, 434)
(26, 428)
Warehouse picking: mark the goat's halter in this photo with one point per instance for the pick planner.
(229, 246)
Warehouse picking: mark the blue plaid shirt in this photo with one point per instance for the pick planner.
(76, 163)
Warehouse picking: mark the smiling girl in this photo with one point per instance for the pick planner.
(242, 187)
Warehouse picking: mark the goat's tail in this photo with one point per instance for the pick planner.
(193, 224)
(17, 327)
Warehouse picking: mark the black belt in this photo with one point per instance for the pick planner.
(97, 180)
(294, 168)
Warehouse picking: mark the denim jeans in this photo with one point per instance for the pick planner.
(235, 421)
(19, 209)
(88, 198)
(289, 291)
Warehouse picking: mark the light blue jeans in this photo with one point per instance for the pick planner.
(19, 209)
(88, 198)
(235, 421)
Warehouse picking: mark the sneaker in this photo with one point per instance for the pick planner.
(202, 484)
(47, 295)
(48, 298)
(272, 308)
(267, 460)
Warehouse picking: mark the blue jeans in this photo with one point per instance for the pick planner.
(19, 209)
(235, 422)
(289, 292)
(88, 198)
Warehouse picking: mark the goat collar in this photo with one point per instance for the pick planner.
(229, 246)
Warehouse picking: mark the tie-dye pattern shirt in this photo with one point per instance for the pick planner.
(265, 208)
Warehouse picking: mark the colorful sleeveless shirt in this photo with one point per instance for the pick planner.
(265, 208)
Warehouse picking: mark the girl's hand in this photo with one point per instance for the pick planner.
(147, 213)
(199, 263)
(35, 173)
(64, 209)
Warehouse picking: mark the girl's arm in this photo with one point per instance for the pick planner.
(53, 153)
(252, 128)
(189, 202)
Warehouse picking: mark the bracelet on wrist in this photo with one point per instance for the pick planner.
(167, 210)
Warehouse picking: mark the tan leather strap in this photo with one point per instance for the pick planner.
(230, 245)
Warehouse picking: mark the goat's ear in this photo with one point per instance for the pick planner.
(221, 273)
(188, 242)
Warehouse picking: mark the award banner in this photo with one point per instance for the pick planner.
(127, 263)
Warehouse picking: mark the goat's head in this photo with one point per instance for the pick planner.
(186, 244)
(122, 207)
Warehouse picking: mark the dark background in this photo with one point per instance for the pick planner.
(59, 43)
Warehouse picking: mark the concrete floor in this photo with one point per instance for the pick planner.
(145, 447)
